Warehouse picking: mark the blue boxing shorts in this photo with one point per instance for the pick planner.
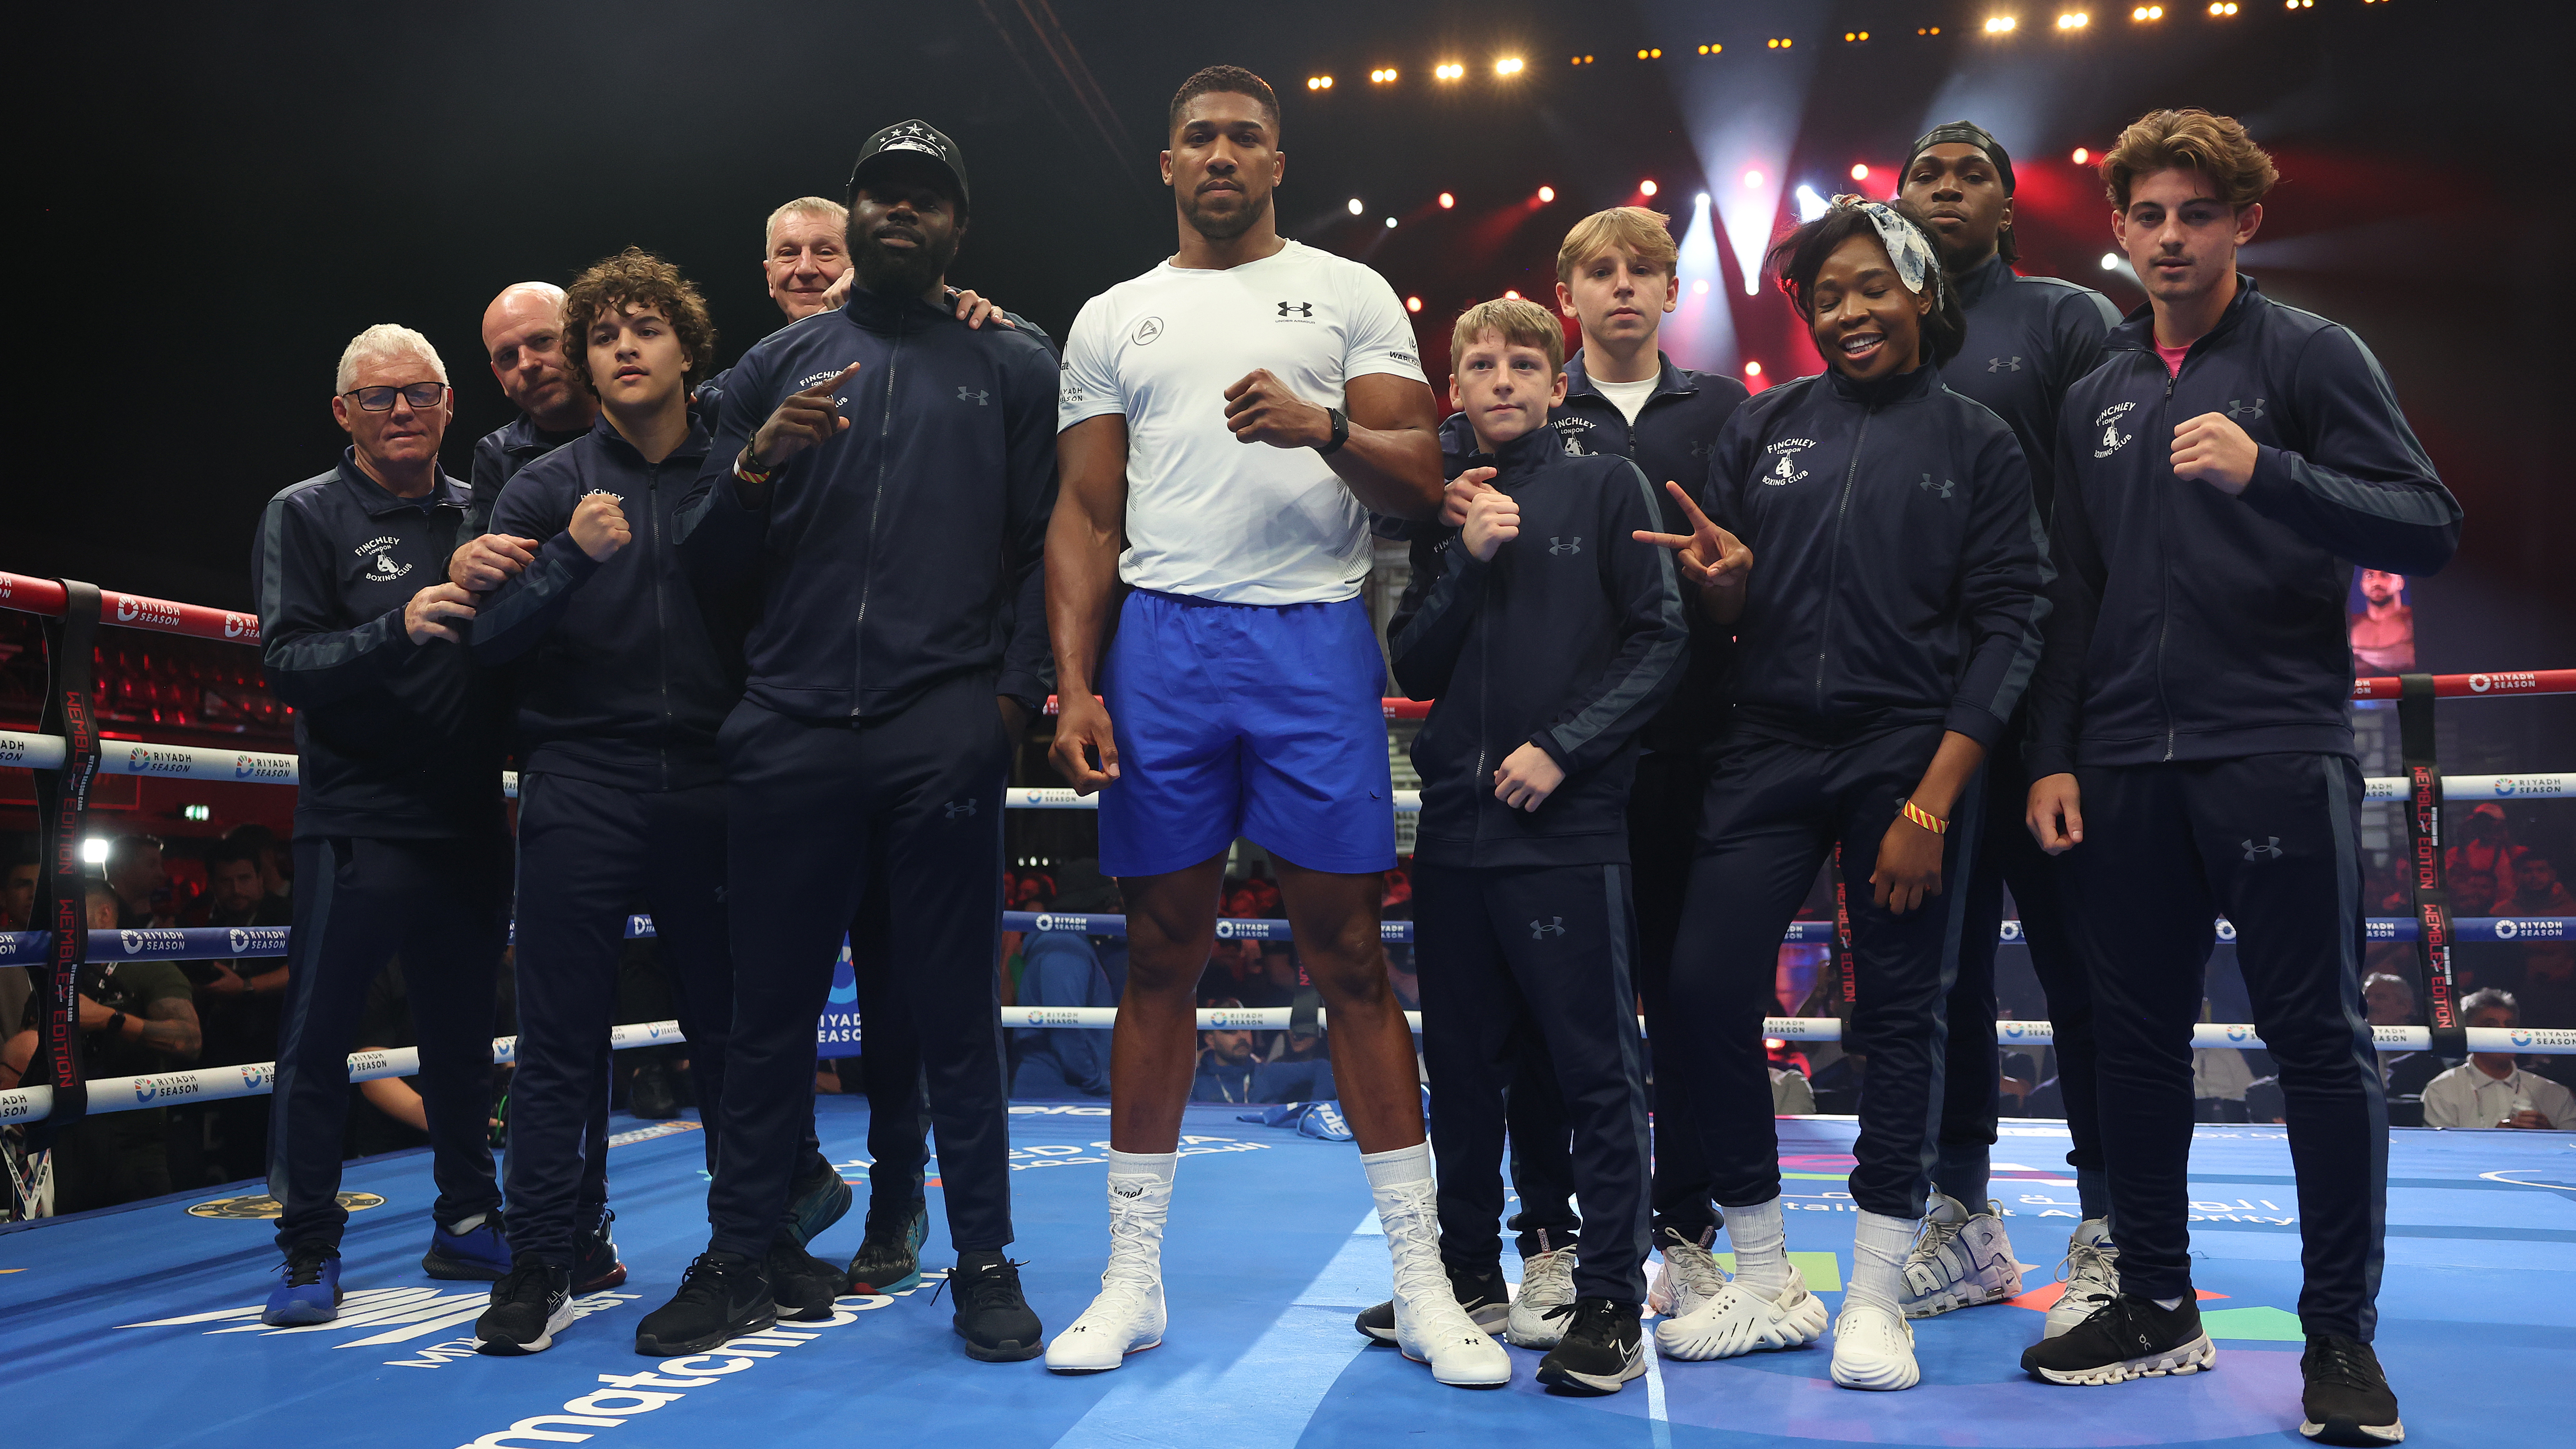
(1246, 719)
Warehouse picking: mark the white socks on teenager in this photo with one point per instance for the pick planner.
(1128, 1315)
(1873, 1344)
(1430, 1327)
(1766, 1305)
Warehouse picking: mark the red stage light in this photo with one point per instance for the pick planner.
(1645, 188)
(1546, 194)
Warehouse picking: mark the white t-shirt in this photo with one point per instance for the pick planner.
(1207, 516)
(1627, 397)
(2465, 1096)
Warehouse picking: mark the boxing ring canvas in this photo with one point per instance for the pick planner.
(139, 1324)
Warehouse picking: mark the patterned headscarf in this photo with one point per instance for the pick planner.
(1907, 246)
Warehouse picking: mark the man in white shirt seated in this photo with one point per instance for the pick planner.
(2489, 1090)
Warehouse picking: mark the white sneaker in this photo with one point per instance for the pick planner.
(1687, 1277)
(1430, 1327)
(1547, 1282)
(2092, 1274)
(1128, 1315)
(1960, 1260)
(1737, 1319)
(1874, 1348)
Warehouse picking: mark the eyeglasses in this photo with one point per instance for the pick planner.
(421, 395)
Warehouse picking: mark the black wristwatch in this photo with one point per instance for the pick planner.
(115, 1024)
(1341, 431)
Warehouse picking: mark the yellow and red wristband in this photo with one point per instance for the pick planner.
(1926, 819)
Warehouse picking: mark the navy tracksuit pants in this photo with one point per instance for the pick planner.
(2006, 855)
(440, 906)
(2274, 843)
(1775, 812)
(588, 854)
(822, 813)
(1505, 954)
(1663, 822)
(889, 1069)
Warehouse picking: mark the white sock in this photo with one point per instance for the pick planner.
(1155, 1165)
(462, 1226)
(2168, 1304)
(1761, 1247)
(1879, 1247)
(1397, 1168)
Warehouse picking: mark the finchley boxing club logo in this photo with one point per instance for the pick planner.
(382, 565)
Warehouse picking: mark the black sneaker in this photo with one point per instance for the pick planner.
(721, 1296)
(1601, 1350)
(528, 1309)
(889, 1258)
(2348, 1400)
(595, 1265)
(1485, 1296)
(2126, 1338)
(802, 1284)
(992, 1315)
(816, 1203)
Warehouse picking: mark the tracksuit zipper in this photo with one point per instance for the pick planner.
(661, 614)
(1481, 782)
(1834, 574)
(2164, 571)
(876, 508)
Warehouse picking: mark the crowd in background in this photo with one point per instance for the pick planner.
(182, 1014)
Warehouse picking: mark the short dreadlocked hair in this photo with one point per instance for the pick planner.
(636, 278)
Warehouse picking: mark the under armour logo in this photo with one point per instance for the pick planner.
(1941, 489)
(2003, 364)
(1555, 926)
(959, 808)
(2270, 849)
(1556, 546)
(970, 395)
(1302, 309)
(2236, 408)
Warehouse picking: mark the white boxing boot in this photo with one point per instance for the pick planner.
(1430, 1327)
(1128, 1315)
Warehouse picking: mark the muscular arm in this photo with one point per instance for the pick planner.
(1392, 462)
(1082, 542)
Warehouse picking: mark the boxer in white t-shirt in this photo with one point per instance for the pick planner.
(1229, 419)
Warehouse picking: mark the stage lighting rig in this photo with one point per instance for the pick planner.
(1448, 70)
(1508, 66)
(1319, 82)
(2001, 24)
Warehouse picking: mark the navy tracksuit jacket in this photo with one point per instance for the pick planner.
(2197, 681)
(621, 805)
(2029, 340)
(1570, 639)
(1894, 595)
(894, 578)
(398, 834)
(498, 457)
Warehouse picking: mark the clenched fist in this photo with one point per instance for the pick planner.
(599, 526)
(1493, 520)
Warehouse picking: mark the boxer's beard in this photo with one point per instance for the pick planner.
(898, 273)
(1218, 226)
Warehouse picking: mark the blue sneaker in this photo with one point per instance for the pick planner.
(311, 1290)
(480, 1253)
(816, 1204)
(889, 1258)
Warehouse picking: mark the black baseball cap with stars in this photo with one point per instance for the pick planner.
(919, 138)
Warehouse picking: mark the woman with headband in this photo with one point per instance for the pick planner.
(1868, 537)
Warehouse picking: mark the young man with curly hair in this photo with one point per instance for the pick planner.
(2218, 477)
(621, 797)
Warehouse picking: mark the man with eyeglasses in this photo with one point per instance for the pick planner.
(398, 833)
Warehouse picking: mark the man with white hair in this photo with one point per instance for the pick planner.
(398, 824)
